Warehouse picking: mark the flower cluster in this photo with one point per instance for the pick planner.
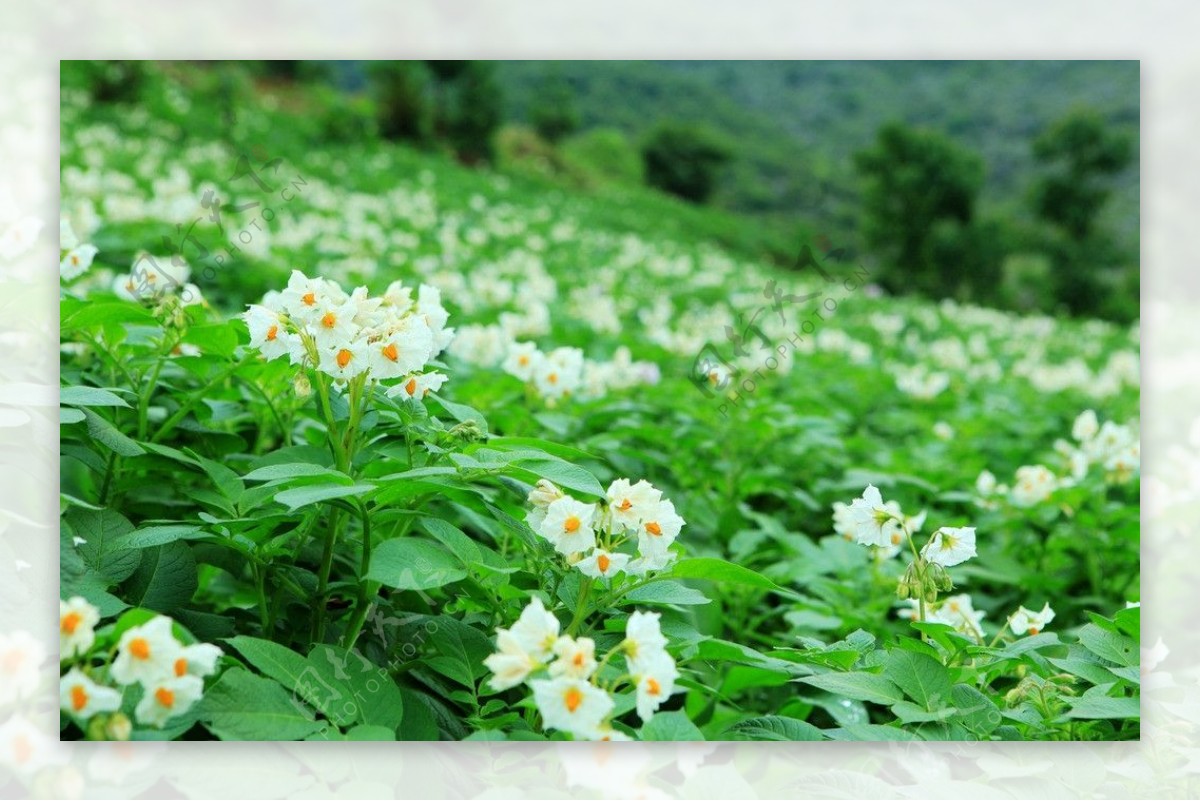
(1116, 448)
(314, 323)
(591, 535)
(869, 520)
(956, 611)
(171, 674)
(573, 690)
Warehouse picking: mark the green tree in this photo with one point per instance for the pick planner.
(919, 192)
(684, 160)
(402, 99)
(1081, 154)
(477, 113)
(553, 112)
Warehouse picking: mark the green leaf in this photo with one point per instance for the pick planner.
(95, 314)
(974, 711)
(107, 435)
(908, 712)
(461, 413)
(665, 592)
(414, 564)
(670, 727)
(460, 648)
(1101, 706)
(722, 571)
(775, 727)
(371, 733)
(101, 532)
(318, 679)
(277, 472)
(564, 474)
(870, 732)
(90, 396)
(165, 579)
(1109, 645)
(242, 706)
(299, 497)
(922, 678)
(370, 688)
(217, 339)
(858, 686)
(153, 536)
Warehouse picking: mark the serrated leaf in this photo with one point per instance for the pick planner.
(242, 706)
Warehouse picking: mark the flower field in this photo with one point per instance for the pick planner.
(362, 444)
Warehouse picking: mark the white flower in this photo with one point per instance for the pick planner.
(950, 546)
(402, 350)
(146, 653)
(429, 305)
(602, 564)
(571, 705)
(576, 657)
(655, 679)
(1033, 484)
(83, 698)
(959, 611)
(1025, 621)
(985, 484)
(268, 332)
(874, 523)
(568, 525)
(199, 659)
(644, 640)
(629, 504)
(1085, 427)
(76, 262)
(418, 385)
(523, 360)
(943, 431)
(344, 362)
(77, 621)
(304, 297)
(511, 664)
(166, 698)
(333, 327)
(536, 630)
(659, 527)
(21, 657)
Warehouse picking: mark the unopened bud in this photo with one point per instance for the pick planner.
(302, 385)
(118, 727)
(544, 493)
(468, 431)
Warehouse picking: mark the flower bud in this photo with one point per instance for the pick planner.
(544, 494)
(302, 385)
(95, 729)
(118, 727)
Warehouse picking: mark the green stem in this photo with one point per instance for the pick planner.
(366, 589)
(323, 576)
(580, 607)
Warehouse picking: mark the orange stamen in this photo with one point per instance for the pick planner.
(165, 697)
(139, 648)
(343, 357)
(390, 352)
(654, 528)
(79, 697)
(70, 622)
(573, 698)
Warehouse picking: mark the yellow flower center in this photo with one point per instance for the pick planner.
(272, 332)
(571, 525)
(139, 648)
(329, 320)
(625, 505)
(578, 660)
(390, 352)
(552, 378)
(70, 622)
(654, 528)
(165, 697)
(411, 386)
(896, 537)
(181, 666)
(523, 360)
(573, 697)
(79, 697)
(309, 299)
(603, 562)
(652, 686)
(343, 357)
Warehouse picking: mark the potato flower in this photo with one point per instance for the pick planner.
(77, 621)
(950, 546)
(1025, 621)
(83, 697)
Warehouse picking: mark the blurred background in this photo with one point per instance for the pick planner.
(1012, 184)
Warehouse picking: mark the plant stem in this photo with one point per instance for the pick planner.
(580, 607)
(195, 398)
(366, 589)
